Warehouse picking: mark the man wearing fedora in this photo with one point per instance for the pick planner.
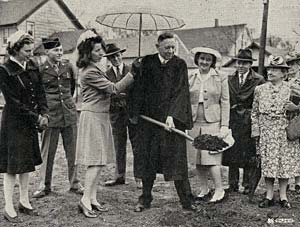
(119, 115)
(59, 83)
(242, 155)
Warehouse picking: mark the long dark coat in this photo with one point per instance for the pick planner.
(25, 100)
(241, 99)
(162, 90)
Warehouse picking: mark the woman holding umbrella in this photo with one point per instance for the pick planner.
(95, 147)
(209, 95)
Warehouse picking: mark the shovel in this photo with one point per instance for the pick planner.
(177, 131)
(230, 140)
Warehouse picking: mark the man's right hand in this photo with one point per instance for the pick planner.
(43, 122)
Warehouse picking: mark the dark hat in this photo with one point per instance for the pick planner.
(244, 55)
(277, 62)
(112, 49)
(50, 43)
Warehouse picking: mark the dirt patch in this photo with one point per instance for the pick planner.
(59, 209)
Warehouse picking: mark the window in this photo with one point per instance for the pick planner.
(5, 35)
(30, 28)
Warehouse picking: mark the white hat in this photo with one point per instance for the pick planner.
(207, 50)
(16, 37)
(86, 35)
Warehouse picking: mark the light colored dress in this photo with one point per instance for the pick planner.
(210, 108)
(269, 122)
(95, 144)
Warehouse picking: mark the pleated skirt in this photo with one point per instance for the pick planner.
(95, 144)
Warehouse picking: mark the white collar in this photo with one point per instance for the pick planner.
(245, 75)
(120, 68)
(210, 73)
(162, 60)
(12, 58)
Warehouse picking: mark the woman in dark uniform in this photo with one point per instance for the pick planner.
(23, 115)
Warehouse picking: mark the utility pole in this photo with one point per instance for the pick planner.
(263, 37)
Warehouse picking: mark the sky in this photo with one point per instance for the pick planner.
(282, 21)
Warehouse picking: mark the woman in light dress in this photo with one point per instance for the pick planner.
(269, 122)
(209, 94)
(95, 147)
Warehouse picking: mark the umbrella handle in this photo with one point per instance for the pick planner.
(179, 132)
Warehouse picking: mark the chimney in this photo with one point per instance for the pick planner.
(216, 22)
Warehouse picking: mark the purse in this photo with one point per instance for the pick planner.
(293, 129)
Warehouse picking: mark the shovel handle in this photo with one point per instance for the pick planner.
(179, 132)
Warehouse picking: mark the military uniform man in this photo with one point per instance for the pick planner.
(59, 82)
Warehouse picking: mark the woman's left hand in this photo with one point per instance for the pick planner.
(290, 106)
(224, 131)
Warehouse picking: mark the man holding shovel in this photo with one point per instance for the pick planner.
(162, 93)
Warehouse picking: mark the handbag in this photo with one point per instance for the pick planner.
(293, 129)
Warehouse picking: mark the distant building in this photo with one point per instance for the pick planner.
(40, 17)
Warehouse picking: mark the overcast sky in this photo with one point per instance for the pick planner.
(284, 15)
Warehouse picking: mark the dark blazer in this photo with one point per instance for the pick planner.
(59, 89)
(241, 99)
(118, 101)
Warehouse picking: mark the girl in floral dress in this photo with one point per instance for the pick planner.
(271, 100)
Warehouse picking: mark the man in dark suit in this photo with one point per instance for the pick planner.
(59, 83)
(162, 93)
(242, 155)
(119, 115)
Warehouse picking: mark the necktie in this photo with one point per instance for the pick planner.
(242, 80)
(55, 67)
(118, 73)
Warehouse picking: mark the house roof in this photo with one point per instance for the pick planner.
(22, 9)
(69, 39)
(221, 38)
(268, 51)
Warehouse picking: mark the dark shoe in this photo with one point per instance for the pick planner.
(15, 219)
(265, 203)
(246, 191)
(27, 211)
(191, 207)
(232, 189)
(203, 198)
(99, 208)
(285, 204)
(141, 207)
(86, 212)
(41, 193)
(78, 191)
(138, 183)
(115, 182)
(297, 189)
